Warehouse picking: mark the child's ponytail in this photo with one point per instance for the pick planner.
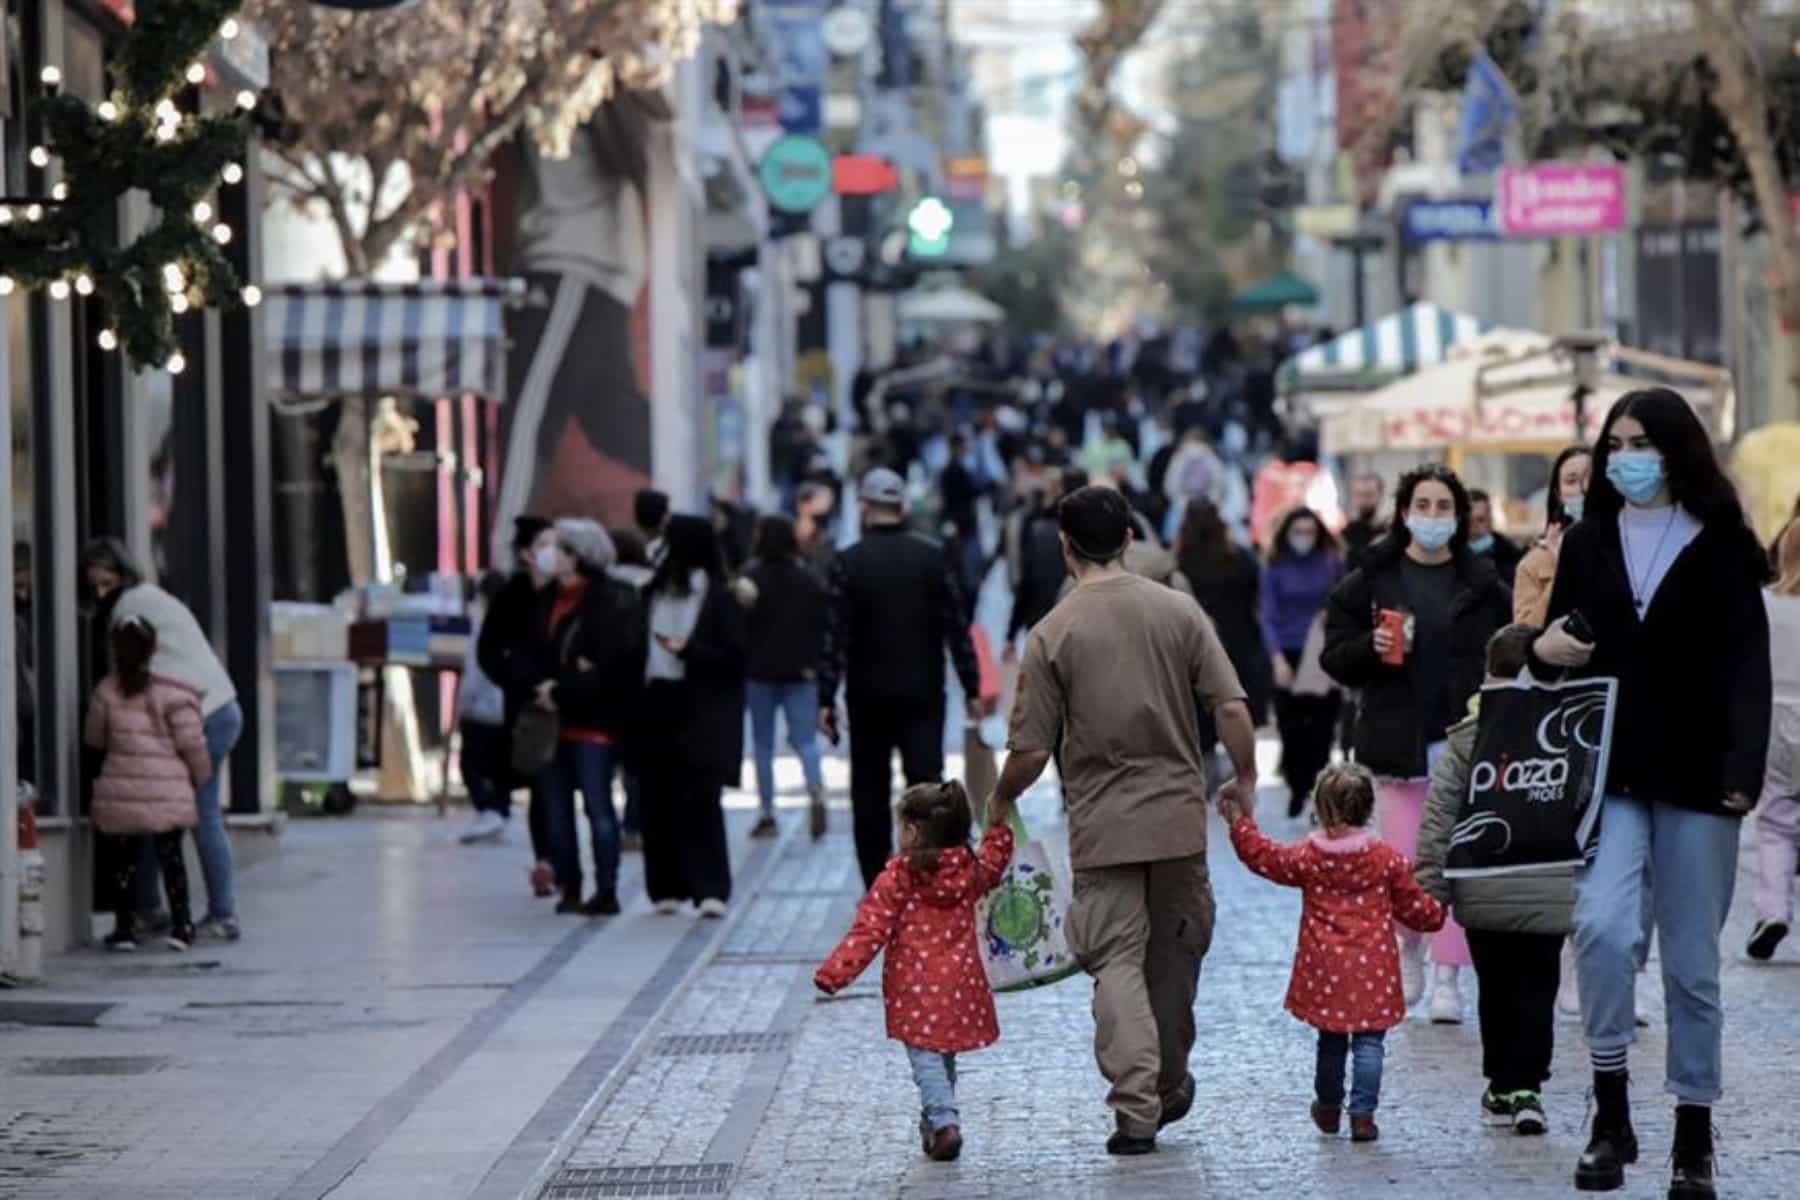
(941, 814)
(133, 646)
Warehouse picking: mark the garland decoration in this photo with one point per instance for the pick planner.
(139, 137)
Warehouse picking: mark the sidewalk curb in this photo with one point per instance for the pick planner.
(624, 1043)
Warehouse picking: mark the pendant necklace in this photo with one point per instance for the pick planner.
(1639, 586)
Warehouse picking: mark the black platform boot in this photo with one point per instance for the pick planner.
(1613, 1145)
(1693, 1175)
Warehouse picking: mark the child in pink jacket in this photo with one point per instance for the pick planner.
(155, 743)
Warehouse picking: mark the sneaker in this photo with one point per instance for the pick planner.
(668, 908)
(712, 909)
(1497, 1110)
(1412, 971)
(602, 904)
(1764, 938)
(218, 929)
(1528, 1115)
(121, 941)
(543, 880)
(1363, 1129)
(1329, 1119)
(1446, 999)
(180, 938)
(765, 827)
(946, 1145)
(486, 827)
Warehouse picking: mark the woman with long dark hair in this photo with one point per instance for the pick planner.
(1410, 627)
(1226, 579)
(1567, 502)
(1304, 565)
(1667, 578)
(787, 640)
(693, 719)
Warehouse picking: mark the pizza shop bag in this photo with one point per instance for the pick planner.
(1020, 924)
(1537, 778)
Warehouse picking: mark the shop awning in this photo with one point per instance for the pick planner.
(358, 338)
(949, 306)
(1397, 344)
(1278, 291)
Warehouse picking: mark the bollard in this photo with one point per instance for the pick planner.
(30, 967)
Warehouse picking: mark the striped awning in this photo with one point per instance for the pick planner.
(431, 339)
(1398, 344)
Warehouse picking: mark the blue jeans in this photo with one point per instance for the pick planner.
(588, 768)
(936, 1076)
(798, 702)
(1365, 1050)
(211, 841)
(1695, 855)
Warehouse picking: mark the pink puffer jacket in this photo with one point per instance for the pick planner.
(155, 745)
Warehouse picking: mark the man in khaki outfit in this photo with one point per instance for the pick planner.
(1109, 684)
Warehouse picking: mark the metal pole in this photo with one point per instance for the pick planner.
(9, 716)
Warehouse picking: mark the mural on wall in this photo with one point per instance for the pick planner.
(576, 426)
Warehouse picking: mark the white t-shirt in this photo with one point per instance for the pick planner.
(674, 616)
(183, 652)
(1653, 538)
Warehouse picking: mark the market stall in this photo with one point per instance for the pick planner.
(1336, 374)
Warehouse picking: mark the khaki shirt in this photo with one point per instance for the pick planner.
(1109, 679)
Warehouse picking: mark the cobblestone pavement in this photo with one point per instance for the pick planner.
(791, 1095)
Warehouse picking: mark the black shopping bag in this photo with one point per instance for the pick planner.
(1537, 778)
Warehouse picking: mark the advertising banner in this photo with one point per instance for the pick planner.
(1561, 199)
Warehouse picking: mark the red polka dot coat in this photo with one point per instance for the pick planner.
(1346, 968)
(933, 985)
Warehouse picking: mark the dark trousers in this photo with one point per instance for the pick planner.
(487, 766)
(588, 768)
(877, 729)
(686, 856)
(1307, 725)
(167, 849)
(1517, 974)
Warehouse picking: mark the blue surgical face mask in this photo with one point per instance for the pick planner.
(1574, 508)
(1431, 533)
(1637, 474)
(1482, 544)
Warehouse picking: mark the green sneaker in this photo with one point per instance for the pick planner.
(1496, 1110)
(1528, 1115)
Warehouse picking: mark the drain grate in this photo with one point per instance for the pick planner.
(723, 1043)
(142, 1064)
(594, 1183)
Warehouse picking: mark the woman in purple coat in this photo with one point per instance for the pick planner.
(1305, 563)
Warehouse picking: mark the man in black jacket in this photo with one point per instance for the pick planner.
(1366, 525)
(1483, 539)
(505, 650)
(895, 607)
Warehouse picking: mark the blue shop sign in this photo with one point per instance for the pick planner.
(1449, 221)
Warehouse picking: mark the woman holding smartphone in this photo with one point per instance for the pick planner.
(1410, 628)
(1666, 576)
(1567, 502)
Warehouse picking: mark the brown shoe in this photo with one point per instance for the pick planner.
(1363, 1129)
(1329, 1120)
(946, 1145)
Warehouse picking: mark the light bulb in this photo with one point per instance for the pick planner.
(252, 295)
(174, 279)
(233, 173)
(52, 76)
(178, 303)
(246, 99)
(176, 364)
(166, 110)
(107, 111)
(5, 215)
(60, 192)
(202, 213)
(229, 29)
(59, 289)
(40, 157)
(84, 283)
(6, 285)
(165, 133)
(34, 212)
(108, 340)
(222, 234)
(196, 73)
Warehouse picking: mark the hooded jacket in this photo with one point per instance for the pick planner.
(1347, 968)
(155, 744)
(933, 985)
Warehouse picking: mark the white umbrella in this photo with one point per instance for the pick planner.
(950, 306)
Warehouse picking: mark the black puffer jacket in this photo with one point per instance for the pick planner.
(1394, 725)
(788, 622)
(511, 634)
(596, 656)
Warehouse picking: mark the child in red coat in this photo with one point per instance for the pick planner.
(1346, 981)
(922, 909)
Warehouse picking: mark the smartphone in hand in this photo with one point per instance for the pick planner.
(1576, 626)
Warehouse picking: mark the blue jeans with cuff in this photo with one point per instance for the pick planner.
(798, 703)
(935, 1074)
(1365, 1050)
(211, 841)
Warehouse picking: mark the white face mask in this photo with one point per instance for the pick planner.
(1302, 544)
(547, 560)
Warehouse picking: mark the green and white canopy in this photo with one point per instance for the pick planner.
(1381, 351)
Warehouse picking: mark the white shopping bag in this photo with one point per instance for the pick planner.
(1020, 924)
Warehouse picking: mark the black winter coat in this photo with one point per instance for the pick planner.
(608, 632)
(788, 621)
(512, 633)
(1391, 727)
(1230, 593)
(708, 738)
(1694, 674)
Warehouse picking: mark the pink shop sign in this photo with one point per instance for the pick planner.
(1561, 199)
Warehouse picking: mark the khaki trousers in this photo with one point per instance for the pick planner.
(1141, 930)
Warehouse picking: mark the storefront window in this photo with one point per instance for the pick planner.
(19, 384)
